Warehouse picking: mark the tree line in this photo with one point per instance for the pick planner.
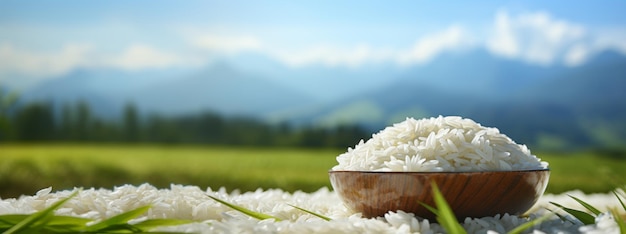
(75, 122)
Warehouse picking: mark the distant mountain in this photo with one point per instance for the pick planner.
(479, 73)
(80, 85)
(595, 96)
(601, 81)
(322, 82)
(105, 90)
(217, 88)
(552, 107)
(451, 84)
(220, 88)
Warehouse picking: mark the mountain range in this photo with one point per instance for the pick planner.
(552, 106)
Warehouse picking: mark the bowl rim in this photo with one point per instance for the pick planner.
(437, 172)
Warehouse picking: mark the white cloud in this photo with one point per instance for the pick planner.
(71, 56)
(504, 40)
(19, 61)
(329, 55)
(332, 56)
(534, 37)
(33, 66)
(141, 56)
(576, 55)
(427, 47)
(229, 44)
(611, 39)
(424, 49)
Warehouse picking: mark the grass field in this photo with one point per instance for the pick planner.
(24, 169)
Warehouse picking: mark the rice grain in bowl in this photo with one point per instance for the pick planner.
(478, 169)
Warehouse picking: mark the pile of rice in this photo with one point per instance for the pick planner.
(193, 203)
(435, 144)
(442, 144)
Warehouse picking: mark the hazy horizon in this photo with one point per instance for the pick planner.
(51, 39)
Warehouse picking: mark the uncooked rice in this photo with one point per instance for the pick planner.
(193, 203)
(441, 144)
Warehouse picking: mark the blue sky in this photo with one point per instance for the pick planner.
(42, 39)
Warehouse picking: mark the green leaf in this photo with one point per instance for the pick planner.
(563, 218)
(620, 222)
(68, 220)
(311, 212)
(525, 226)
(430, 208)
(587, 206)
(39, 218)
(620, 200)
(11, 219)
(583, 217)
(118, 222)
(117, 228)
(46, 222)
(153, 223)
(66, 224)
(445, 216)
(54, 223)
(8, 221)
(250, 213)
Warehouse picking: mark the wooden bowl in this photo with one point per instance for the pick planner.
(469, 194)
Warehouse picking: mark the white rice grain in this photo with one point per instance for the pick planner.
(446, 144)
(191, 202)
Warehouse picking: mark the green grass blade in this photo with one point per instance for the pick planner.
(8, 221)
(153, 223)
(430, 208)
(66, 224)
(587, 206)
(41, 216)
(70, 224)
(620, 200)
(119, 221)
(54, 223)
(140, 232)
(620, 222)
(563, 218)
(119, 228)
(583, 217)
(525, 226)
(446, 216)
(311, 212)
(250, 213)
(68, 220)
(11, 219)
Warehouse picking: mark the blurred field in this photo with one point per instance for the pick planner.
(24, 169)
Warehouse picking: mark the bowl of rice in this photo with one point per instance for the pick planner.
(479, 171)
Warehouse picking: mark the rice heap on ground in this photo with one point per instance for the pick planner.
(442, 144)
(193, 203)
